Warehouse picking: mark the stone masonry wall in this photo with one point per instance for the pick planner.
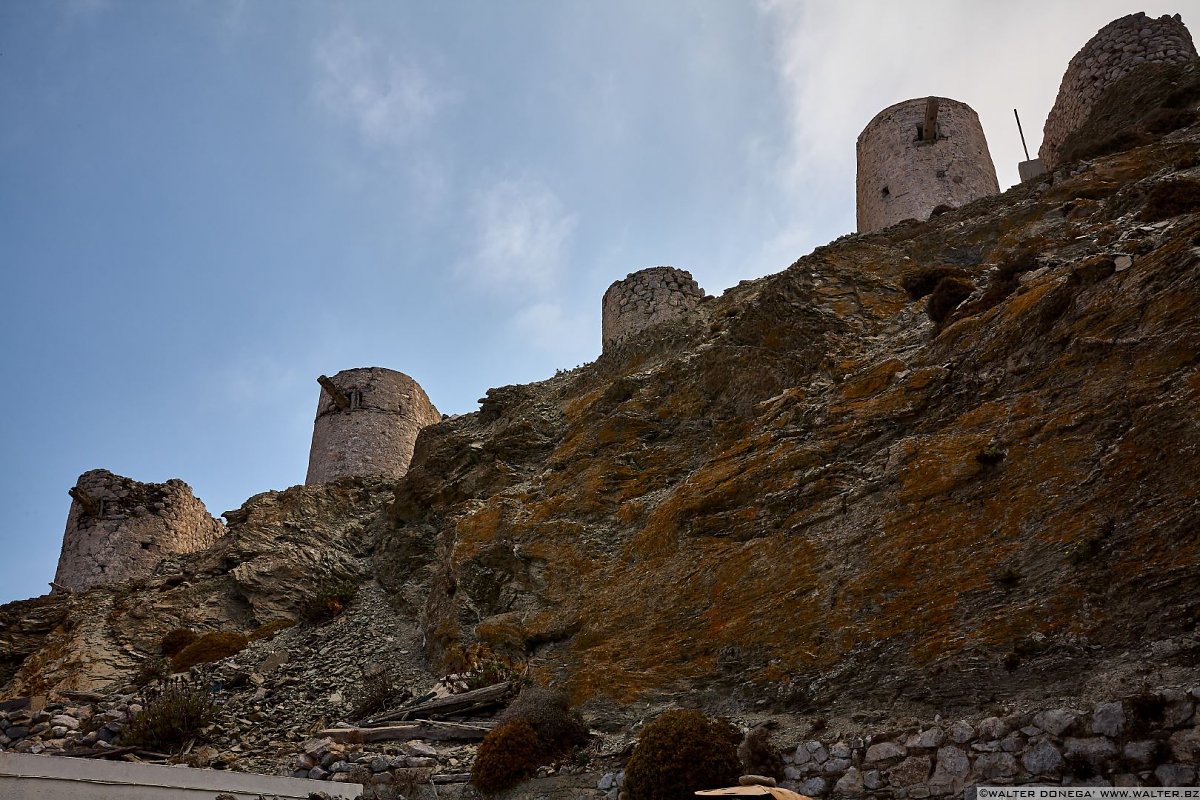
(902, 177)
(119, 529)
(1148, 739)
(375, 435)
(1108, 56)
(645, 298)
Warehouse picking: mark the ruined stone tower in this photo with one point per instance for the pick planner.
(367, 423)
(1118, 48)
(920, 154)
(646, 297)
(119, 529)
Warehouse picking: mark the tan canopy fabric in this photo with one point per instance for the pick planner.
(755, 791)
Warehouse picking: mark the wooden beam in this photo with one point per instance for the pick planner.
(417, 729)
(335, 393)
(929, 132)
(89, 503)
(452, 704)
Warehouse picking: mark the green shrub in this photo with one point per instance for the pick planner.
(330, 599)
(209, 647)
(679, 753)
(170, 718)
(508, 755)
(175, 640)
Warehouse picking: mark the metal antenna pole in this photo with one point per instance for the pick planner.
(1018, 116)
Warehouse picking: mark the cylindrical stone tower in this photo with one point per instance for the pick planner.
(918, 155)
(367, 424)
(1112, 53)
(646, 297)
(119, 529)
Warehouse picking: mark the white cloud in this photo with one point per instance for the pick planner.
(838, 64)
(388, 100)
(521, 237)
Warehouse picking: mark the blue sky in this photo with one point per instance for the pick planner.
(206, 204)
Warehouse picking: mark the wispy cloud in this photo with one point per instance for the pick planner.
(549, 327)
(387, 99)
(521, 237)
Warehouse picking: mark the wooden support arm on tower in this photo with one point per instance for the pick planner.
(929, 132)
(90, 504)
(337, 395)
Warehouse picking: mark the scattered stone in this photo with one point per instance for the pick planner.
(850, 784)
(885, 751)
(910, 771)
(1108, 719)
(1042, 759)
(991, 729)
(1055, 721)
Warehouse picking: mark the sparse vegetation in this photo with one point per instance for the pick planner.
(946, 297)
(268, 630)
(559, 729)
(760, 756)
(379, 690)
(330, 599)
(175, 640)
(1170, 199)
(170, 718)
(921, 282)
(207, 648)
(679, 753)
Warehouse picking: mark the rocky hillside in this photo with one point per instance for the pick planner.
(945, 468)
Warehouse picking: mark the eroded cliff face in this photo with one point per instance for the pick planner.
(804, 496)
(281, 546)
(810, 495)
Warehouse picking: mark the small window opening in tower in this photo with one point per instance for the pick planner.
(356, 398)
(145, 545)
(886, 192)
(100, 509)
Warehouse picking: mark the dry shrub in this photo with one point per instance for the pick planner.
(560, 730)
(170, 718)
(268, 630)
(679, 753)
(379, 690)
(508, 755)
(921, 282)
(946, 297)
(759, 755)
(1170, 199)
(209, 647)
(175, 640)
(1162, 121)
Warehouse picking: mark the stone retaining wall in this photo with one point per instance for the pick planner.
(119, 529)
(1108, 56)
(645, 298)
(1151, 739)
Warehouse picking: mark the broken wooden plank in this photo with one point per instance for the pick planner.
(929, 132)
(335, 393)
(90, 504)
(417, 729)
(451, 704)
(451, 777)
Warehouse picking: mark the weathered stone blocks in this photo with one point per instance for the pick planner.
(1107, 57)
(367, 424)
(119, 529)
(905, 172)
(645, 298)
